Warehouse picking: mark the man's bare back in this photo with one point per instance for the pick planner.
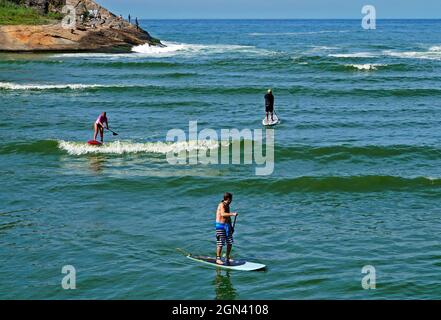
(224, 229)
(222, 208)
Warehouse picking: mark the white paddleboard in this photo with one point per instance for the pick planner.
(270, 123)
(240, 265)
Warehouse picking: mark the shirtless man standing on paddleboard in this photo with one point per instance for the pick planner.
(224, 229)
(99, 126)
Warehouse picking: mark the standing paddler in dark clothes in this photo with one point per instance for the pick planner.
(269, 104)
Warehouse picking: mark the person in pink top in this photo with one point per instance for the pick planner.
(99, 126)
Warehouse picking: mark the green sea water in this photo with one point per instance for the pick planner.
(356, 180)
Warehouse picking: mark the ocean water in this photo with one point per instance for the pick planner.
(356, 180)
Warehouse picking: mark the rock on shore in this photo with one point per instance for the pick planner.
(95, 29)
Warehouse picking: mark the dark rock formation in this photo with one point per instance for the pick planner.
(95, 29)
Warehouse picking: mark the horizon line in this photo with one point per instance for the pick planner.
(353, 19)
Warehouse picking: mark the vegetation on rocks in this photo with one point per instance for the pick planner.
(16, 13)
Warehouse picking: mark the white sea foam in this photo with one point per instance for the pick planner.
(172, 49)
(366, 67)
(76, 86)
(354, 55)
(127, 147)
(169, 50)
(323, 48)
(435, 49)
(434, 53)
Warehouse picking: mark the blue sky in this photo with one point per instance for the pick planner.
(272, 9)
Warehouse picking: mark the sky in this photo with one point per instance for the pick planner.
(272, 9)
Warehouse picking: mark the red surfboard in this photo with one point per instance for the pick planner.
(94, 143)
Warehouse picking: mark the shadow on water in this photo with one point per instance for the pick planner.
(223, 287)
(96, 163)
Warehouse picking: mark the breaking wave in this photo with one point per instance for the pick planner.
(172, 49)
(71, 86)
(127, 147)
(366, 66)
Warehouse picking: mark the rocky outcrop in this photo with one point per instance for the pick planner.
(94, 29)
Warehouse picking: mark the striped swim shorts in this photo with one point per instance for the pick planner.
(222, 238)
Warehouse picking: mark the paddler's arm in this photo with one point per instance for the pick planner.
(233, 214)
(224, 214)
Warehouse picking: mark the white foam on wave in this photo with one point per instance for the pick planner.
(169, 50)
(172, 49)
(127, 147)
(434, 53)
(354, 55)
(323, 48)
(435, 49)
(366, 67)
(76, 86)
